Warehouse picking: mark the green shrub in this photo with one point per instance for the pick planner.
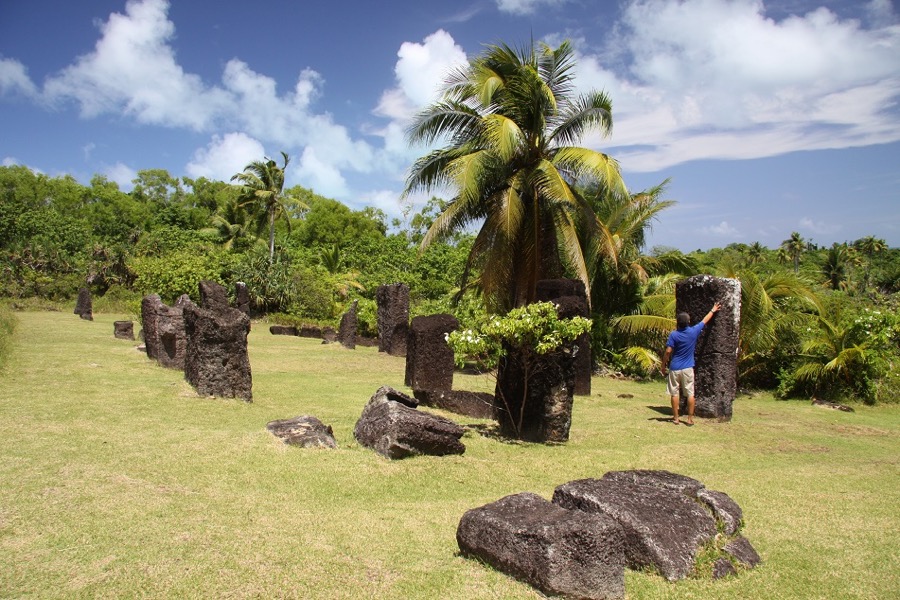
(7, 328)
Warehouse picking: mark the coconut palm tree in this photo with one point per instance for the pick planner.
(869, 246)
(832, 356)
(837, 265)
(511, 122)
(756, 253)
(795, 246)
(263, 188)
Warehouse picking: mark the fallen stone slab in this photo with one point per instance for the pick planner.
(724, 509)
(471, 404)
(283, 330)
(560, 552)
(305, 431)
(391, 425)
(664, 528)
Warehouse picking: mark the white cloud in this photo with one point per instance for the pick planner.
(321, 176)
(723, 230)
(10, 161)
(14, 79)
(224, 156)
(721, 79)
(525, 7)
(818, 227)
(122, 174)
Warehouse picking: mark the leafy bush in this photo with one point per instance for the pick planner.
(180, 272)
(7, 328)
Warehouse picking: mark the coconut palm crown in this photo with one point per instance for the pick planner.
(511, 121)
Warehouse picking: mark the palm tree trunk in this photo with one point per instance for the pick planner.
(271, 236)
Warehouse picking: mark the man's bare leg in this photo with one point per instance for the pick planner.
(675, 402)
(690, 407)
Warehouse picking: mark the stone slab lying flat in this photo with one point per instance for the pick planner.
(305, 431)
(558, 551)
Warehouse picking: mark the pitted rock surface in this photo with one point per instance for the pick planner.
(558, 551)
(391, 426)
(305, 431)
(429, 359)
(664, 528)
(393, 318)
(472, 404)
(216, 361)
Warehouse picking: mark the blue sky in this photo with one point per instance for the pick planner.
(769, 117)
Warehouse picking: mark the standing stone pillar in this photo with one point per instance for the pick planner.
(216, 361)
(393, 318)
(164, 338)
(715, 370)
(429, 359)
(84, 308)
(347, 330)
(242, 297)
(552, 290)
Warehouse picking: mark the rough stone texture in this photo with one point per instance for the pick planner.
(743, 551)
(216, 361)
(329, 335)
(310, 331)
(393, 318)
(715, 373)
(84, 307)
(472, 404)
(724, 509)
(429, 359)
(572, 298)
(560, 552)
(305, 431)
(213, 295)
(391, 426)
(283, 330)
(347, 330)
(164, 337)
(723, 568)
(123, 330)
(534, 393)
(657, 478)
(242, 297)
(663, 528)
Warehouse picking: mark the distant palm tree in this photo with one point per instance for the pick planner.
(794, 246)
(832, 355)
(756, 253)
(263, 188)
(233, 227)
(836, 267)
(511, 122)
(869, 246)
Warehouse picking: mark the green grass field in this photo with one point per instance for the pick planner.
(118, 481)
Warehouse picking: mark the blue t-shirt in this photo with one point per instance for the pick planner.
(682, 342)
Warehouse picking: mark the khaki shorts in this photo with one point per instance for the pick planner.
(682, 379)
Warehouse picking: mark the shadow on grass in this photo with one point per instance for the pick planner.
(663, 410)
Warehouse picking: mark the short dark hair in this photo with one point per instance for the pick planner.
(683, 320)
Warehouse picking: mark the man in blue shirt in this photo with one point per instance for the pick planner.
(679, 360)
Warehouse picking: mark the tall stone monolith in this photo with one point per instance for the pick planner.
(551, 290)
(347, 331)
(216, 361)
(429, 359)
(393, 318)
(242, 297)
(715, 370)
(84, 307)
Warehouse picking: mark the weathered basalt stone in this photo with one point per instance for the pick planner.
(393, 318)
(534, 394)
(84, 307)
(723, 568)
(347, 330)
(743, 551)
(305, 431)
(471, 404)
(123, 330)
(283, 330)
(213, 295)
(216, 359)
(429, 359)
(391, 426)
(242, 297)
(558, 551)
(715, 372)
(571, 299)
(663, 528)
(164, 337)
(724, 509)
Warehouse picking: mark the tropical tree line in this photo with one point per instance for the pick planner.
(527, 203)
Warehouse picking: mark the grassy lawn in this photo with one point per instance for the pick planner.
(118, 481)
